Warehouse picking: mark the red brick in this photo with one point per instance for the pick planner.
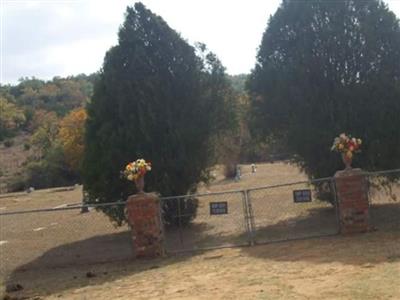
(143, 214)
(351, 187)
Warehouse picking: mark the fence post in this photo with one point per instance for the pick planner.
(249, 217)
(335, 200)
(246, 216)
(180, 221)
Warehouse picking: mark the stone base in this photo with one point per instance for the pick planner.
(144, 218)
(353, 204)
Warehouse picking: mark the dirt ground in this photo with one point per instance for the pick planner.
(51, 254)
(359, 267)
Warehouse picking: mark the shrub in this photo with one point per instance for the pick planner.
(180, 211)
(51, 171)
(8, 143)
(16, 184)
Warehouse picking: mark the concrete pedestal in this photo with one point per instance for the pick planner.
(144, 218)
(353, 204)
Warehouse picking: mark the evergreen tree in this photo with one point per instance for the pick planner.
(327, 67)
(156, 98)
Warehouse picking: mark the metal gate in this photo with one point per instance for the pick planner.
(220, 220)
(293, 211)
(288, 211)
(384, 200)
(254, 216)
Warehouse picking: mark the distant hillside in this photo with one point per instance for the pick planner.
(59, 95)
(13, 159)
(31, 115)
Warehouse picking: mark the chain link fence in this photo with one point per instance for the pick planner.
(253, 216)
(59, 237)
(293, 211)
(50, 238)
(219, 221)
(384, 200)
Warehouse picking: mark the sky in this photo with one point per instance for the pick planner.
(47, 38)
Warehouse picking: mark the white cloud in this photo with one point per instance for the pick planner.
(82, 53)
(64, 37)
(60, 38)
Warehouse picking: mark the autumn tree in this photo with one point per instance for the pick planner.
(11, 118)
(46, 126)
(53, 161)
(71, 137)
(327, 67)
(59, 95)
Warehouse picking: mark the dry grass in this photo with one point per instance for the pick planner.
(49, 254)
(267, 174)
(12, 159)
(360, 267)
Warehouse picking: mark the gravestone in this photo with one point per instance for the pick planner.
(238, 173)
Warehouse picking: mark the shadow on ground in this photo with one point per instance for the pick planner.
(380, 245)
(83, 263)
(108, 257)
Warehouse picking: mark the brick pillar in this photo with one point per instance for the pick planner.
(144, 218)
(352, 196)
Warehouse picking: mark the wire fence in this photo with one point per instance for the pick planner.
(253, 216)
(384, 200)
(63, 236)
(277, 215)
(204, 221)
(51, 238)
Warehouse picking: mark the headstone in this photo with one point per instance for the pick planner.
(84, 208)
(238, 173)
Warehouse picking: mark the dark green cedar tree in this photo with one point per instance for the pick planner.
(157, 98)
(327, 67)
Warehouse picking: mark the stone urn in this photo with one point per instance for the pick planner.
(347, 161)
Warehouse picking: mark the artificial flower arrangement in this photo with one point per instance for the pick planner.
(347, 145)
(136, 169)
